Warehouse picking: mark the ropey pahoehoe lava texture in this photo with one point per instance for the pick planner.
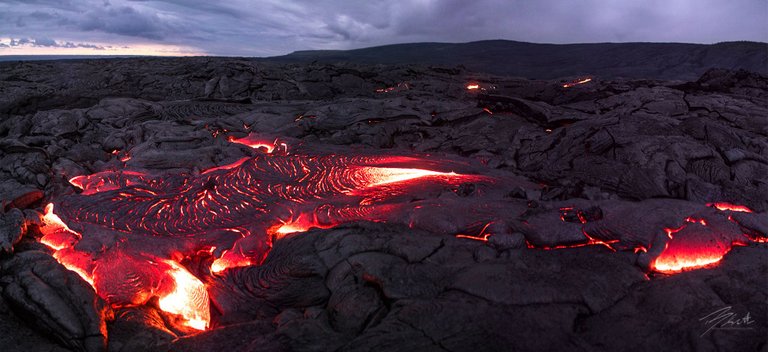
(381, 208)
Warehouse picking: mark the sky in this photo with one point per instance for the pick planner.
(277, 27)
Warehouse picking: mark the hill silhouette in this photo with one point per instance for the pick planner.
(548, 61)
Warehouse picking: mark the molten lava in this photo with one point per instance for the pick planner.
(189, 298)
(681, 254)
(723, 206)
(694, 244)
(575, 83)
(255, 143)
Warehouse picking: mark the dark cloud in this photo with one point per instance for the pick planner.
(209, 8)
(50, 43)
(273, 27)
(44, 42)
(127, 21)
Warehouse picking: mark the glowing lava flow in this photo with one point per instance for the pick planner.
(680, 256)
(702, 240)
(189, 298)
(121, 232)
(256, 143)
(697, 245)
(377, 176)
(59, 237)
(723, 206)
(575, 83)
(674, 260)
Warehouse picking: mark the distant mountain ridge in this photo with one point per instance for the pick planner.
(548, 61)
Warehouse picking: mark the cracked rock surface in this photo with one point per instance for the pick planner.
(642, 149)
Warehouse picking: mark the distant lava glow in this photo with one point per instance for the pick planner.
(731, 207)
(575, 83)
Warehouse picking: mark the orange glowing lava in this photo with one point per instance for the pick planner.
(56, 234)
(189, 298)
(61, 238)
(256, 143)
(377, 176)
(473, 86)
(685, 250)
(575, 83)
(670, 264)
(723, 206)
(482, 236)
(229, 259)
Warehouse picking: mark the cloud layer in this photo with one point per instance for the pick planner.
(274, 27)
(50, 43)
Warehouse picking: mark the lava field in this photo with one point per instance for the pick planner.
(199, 204)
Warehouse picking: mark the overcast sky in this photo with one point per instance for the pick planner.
(276, 27)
